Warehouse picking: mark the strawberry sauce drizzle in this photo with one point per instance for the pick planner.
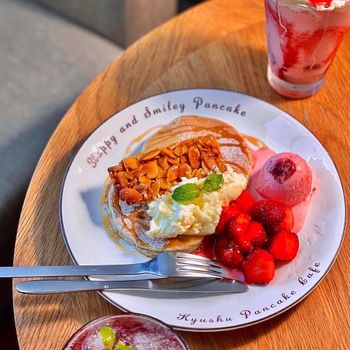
(325, 3)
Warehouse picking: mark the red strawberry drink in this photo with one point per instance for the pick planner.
(126, 332)
(303, 38)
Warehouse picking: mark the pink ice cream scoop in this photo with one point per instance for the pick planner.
(285, 178)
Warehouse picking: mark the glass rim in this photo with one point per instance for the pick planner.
(311, 7)
(95, 321)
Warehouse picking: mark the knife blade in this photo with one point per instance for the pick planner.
(176, 284)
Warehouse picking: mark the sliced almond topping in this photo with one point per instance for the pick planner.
(143, 179)
(150, 169)
(183, 159)
(194, 157)
(155, 187)
(164, 185)
(173, 161)
(209, 162)
(172, 173)
(205, 168)
(167, 152)
(122, 179)
(184, 170)
(131, 163)
(114, 170)
(150, 155)
(130, 195)
(200, 173)
(181, 149)
(161, 172)
(153, 173)
(221, 165)
(163, 162)
(173, 146)
(129, 176)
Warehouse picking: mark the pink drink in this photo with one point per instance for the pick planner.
(303, 40)
(135, 330)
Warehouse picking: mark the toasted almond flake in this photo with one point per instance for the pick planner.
(181, 149)
(150, 155)
(205, 168)
(167, 152)
(194, 157)
(209, 162)
(123, 181)
(131, 163)
(183, 159)
(130, 195)
(163, 162)
(161, 172)
(129, 176)
(173, 161)
(155, 186)
(184, 170)
(172, 173)
(150, 169)
(164, 185)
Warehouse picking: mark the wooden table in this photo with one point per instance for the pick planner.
(219, 44)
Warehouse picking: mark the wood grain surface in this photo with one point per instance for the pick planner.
(220, 44)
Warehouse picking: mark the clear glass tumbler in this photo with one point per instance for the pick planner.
(303, 38)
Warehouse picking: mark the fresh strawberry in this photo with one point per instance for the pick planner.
(273, 215)
(245, 202)
(257, 234)
(284, 245)
(227, 253)
(206, 248)
(287, 223)
(259, 268)
(253, 236)
(238, 225)
(227, 214)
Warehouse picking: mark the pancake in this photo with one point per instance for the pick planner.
(130, 221)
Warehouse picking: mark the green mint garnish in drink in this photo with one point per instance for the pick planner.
(213, 182)
(122, 346)
(107, 336)
(186, 193)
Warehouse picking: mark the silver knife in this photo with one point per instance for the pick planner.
(176, 284)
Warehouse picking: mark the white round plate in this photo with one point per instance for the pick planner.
(320, 238)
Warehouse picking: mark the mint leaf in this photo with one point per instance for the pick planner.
(186, 193)
(122, 346)
(107, 336)
(213, 182)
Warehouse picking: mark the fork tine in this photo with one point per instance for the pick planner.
(196, 259)
(200, 269)
(198, 274)
(195, 266)
(181, 261)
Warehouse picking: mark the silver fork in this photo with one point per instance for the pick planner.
(163, 265)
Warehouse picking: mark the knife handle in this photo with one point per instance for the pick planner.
(73, 270)
(64, 286)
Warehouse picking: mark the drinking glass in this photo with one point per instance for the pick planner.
(303, 38)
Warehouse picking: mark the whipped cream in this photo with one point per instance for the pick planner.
(201, 216)
(333, 5)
